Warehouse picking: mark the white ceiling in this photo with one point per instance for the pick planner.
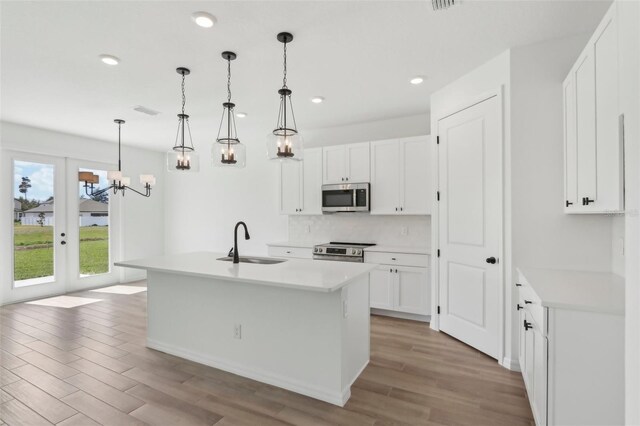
(358, 55)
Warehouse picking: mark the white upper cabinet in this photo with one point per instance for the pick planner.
(400, 176)
(592, 137)
(301, 184)
(346, 163)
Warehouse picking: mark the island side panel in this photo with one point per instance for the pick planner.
(289, 338)
(355, 330)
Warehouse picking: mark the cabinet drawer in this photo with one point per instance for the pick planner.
(297, 252)
(400, 259)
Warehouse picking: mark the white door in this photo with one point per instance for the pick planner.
(93, 227)
(381, 287)
(412, 290)
(470, 167)
(586, 128)
(36, 250)
(357, 162)
(416, 191)
(290, 187)
(333, 164)
(385, 177)
(312, 182)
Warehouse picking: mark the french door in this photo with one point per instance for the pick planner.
(59, 238)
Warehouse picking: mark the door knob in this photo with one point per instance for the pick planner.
(63, 235)
(492, 260)
(63, 242)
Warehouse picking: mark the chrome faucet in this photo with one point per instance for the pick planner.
(236, 257)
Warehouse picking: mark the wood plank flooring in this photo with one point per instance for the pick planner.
(89, 366)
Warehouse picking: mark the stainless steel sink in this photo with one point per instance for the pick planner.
(254, 260)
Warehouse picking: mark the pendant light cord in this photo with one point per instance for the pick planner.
(184, 97)
(229, 80)
(119, 156)
(284, 76)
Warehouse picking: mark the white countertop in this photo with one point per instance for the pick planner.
(301, 274)
(398, 249)
(579, 290)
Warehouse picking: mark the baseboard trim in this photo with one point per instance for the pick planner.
(323, 394)
(401, 315)
(511, 364)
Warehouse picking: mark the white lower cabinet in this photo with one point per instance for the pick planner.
(397, 287)
(572, 360)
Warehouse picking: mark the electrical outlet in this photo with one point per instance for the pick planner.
(237, 331)
(404, 231)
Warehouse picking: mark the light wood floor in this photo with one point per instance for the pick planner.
(89, 365)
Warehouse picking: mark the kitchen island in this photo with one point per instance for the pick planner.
(301, 325)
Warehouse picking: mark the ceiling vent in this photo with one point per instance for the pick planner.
(145, 110)
(442, 4)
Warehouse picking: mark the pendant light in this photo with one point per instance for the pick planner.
(183, 157)
(228, 151)
(285, 143)
(118, 182)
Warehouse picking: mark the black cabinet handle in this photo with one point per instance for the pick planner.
(568, 203)
(396, 209)
(518, 285)
(396, 271)
(586, 201)
(400, 208)
(492, 260)
(527, 325)
(528, 302)
(519, 306)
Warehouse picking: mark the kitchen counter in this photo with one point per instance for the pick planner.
(300, 274)
(398, 249)
(299, 325)
(577, 290)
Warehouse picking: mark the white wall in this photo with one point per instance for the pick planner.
(356, 227)
(628, 19)
(400, 127)
(143, 218)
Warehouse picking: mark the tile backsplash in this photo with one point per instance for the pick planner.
(358, 227)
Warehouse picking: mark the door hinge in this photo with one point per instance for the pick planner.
(438, 195)
(437, 140)
(438, 252)
(438, 309)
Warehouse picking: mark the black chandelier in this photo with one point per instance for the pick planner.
(285, 143)
(182, 157)
(228, 151)
(118, 182)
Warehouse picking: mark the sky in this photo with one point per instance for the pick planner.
(42, 176)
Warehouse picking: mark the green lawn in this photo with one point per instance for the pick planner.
(35, 255)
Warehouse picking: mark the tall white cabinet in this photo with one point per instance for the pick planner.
(593, 134)
(301, 183)
(400, 176)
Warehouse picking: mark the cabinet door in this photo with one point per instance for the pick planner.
(333, 165)
(357, 162)
(521, 338)
(529, 351)
(412, 290)
(290, 186)
(312, 182)
(415, 183)
(586, 126)
(381, 287)
(570, 146)
(385, 177)
(539, 374)
(608, 141)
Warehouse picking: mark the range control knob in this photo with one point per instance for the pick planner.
(316, 250)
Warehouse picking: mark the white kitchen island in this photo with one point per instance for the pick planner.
(301, 325)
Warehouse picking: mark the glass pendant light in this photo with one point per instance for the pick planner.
(285, 143)
(118, 183)
(228, 151)
(183, 157)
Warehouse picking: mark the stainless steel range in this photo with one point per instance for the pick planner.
(343, 252)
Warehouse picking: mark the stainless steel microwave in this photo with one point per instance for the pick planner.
(346, 197)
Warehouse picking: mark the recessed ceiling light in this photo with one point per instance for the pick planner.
(241, 114)
(416, 80)
(204, 19)
(317, 99)
(109, 59)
